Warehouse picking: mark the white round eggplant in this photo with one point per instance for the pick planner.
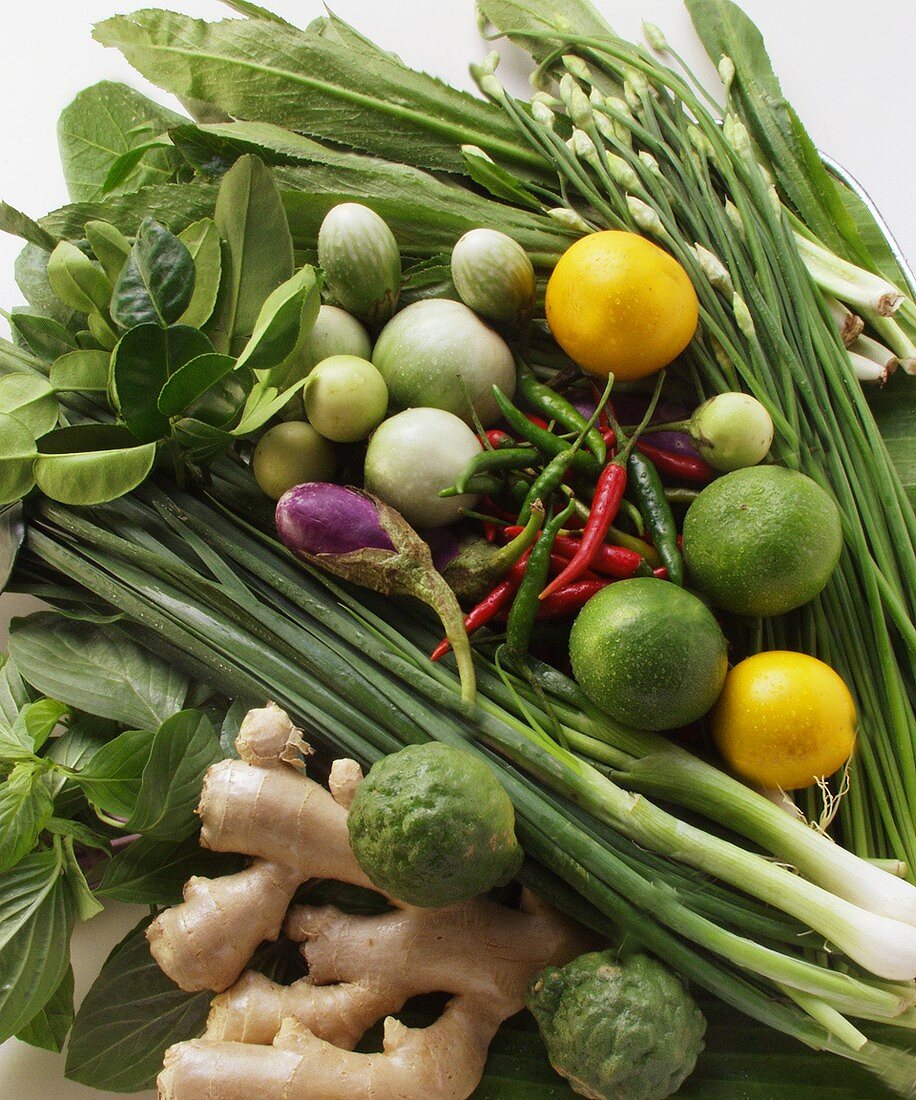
(413, 456)
(361, 262)
(291, 454)
(731, 431)
(438, 354)
(494, 276)
(345, 398)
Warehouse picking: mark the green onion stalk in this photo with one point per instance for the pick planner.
(233, 605)
(661, 164)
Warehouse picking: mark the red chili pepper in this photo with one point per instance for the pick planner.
(558, 562)
(489, 606)
(605, 504)
(539, 421)
(490, 531)
(497, 439)
(661, 572)
(569, 599)
(615, 561)
(488, 505)
(684, 467)
(610, 437)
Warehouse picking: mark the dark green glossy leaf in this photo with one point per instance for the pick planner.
(82, 370)
(44, 336)
(91, 463)
(76, 279)
(288, 312)
(17, 459)
(250, 218)
(96, 668)
(184, 747)
(111, 779)
(153, 872)
(132, 1013)
(101, 124)
(31, 400)
(25, 808)
(21, 225)
(48, 1030)
(36, 917)
(12, 532)
(222, 404)
(202, 240)
(192, 380)
(110, 246)
(142, 363)
(157, 280)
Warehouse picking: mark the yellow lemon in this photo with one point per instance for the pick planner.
(784, 720)
(617, 303)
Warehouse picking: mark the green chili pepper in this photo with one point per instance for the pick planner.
(554, 406)
(547, 482)
(505, 458)
(525, 605)
(479, 485)
(583, 463)
(649, 493)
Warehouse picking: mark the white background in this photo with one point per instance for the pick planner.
(846, 65)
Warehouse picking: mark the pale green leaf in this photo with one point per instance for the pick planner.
(45, 336)
(110, 246)
(289, 310)
(17, 458)
(31, 400)
(82, 370)
(202, 241)
(91, 463)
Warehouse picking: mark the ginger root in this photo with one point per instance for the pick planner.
(295, 1042)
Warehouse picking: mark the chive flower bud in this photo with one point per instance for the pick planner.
(735, 133)
(488, 83)
(542, 114)
(582, 146)
(476, 151)
(635, 87)
(622, 172)
(646, 217)
(575, 101)
(743, 317)
(734, 216)
(569, 219)
(655, 36)
(700, 142)
(726, 69)
(577, 67)
(714, 270)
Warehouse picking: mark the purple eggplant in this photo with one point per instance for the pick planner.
(356, 536)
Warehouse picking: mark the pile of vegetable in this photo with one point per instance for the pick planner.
(581, 375)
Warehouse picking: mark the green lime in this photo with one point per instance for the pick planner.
(762, 541)
(648, 653)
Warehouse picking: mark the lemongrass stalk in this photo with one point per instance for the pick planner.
(895, 336)
(849, 324)
(678, 776)
(871, 361)
(845, 281)
(895, 867)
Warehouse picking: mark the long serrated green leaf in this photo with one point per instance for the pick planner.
(96, 669)
(182, 750)
(315, 84)
(100, 125)
(21, 225)
(132, 1013)
(176, 205)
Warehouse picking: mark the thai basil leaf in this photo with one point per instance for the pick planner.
(14, 695)
(31, 400)
(44, 336)
(17, 459)
(111, 779)
(307, 81)
(25, 809)
(157, 280)
(96, 668)
(87, 371)
(36, 918)
(74, 749)
(102, 123)
(21, 225)
(143, 361)
(31, 271)
(87, 905)
(132, 1013)
(76, 279)
(91, 463)
(12, 532)
(153, 872)
(110, 246)
(289, 312)
(250, 218)
(49, 1028)
(41, 718)
(177, 204)
(183, 749)
(202, 240)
